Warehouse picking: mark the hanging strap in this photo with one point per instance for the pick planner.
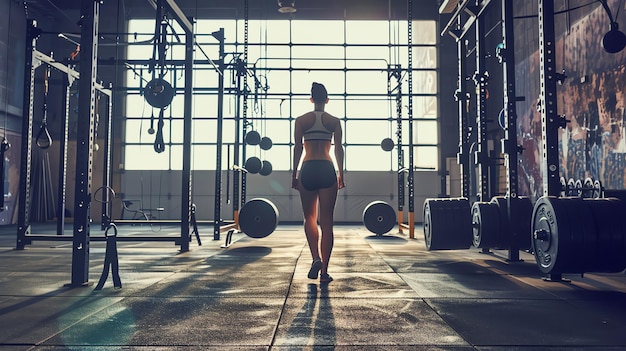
(159, 144)
(110, 259)
(151, 129)
(4, 146)
(44, 139)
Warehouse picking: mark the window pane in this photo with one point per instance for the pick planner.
(144, 157)
(279, 131)
(367, 132)
(367, 57)
(425, 132)
(367, 82)
(425, 106)
(310, 32)
(176, 156)
(272, 56)
(424, 32)
(204, 157)
(424, 57)
(367, 32)
(136, 106)
(426, 157)
(424, 82)
(367, 158)
(279, 156)
(369, 108)
(318, 57)
(332, 80)
(204, 131)
(203, 106)
(205, 76)
(137, 131)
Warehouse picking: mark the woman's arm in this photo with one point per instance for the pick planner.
(297, 152)
(338, 138)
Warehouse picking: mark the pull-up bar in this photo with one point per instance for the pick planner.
(71, 73)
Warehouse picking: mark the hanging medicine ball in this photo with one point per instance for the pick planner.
(158, 93)
(265, 143)
(266, 168)
(614, 40)
(387, 144)
(253, 165)
(253, 137)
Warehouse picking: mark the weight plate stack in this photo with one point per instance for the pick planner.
(447, 224)
(583, 235)
(522, 213)
(258, 218)
(485, 224)
(559, 226)
(523, 208)
(379, 217)
(610, 247)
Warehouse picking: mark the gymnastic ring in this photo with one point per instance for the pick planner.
(109, 189)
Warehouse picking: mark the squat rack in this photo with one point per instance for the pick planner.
(90, 11)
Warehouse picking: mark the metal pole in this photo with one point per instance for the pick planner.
(90, 11)
(63, 160)
(462, 98)
(509, 144)
(549, 118)
(244, 115)
(481, 79)
(23, 216)
(106, 171)
(411, 177)
(237, 146)
(186, 184)
(219, 35)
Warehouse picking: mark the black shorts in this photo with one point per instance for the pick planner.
(318, 174)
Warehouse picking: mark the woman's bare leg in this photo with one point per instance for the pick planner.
(309, 208)
(327, 200)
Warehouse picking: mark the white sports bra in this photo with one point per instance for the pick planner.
(318, 131)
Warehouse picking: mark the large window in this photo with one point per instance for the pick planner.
(287, 56)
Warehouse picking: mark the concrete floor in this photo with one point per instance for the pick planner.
(389, 293)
